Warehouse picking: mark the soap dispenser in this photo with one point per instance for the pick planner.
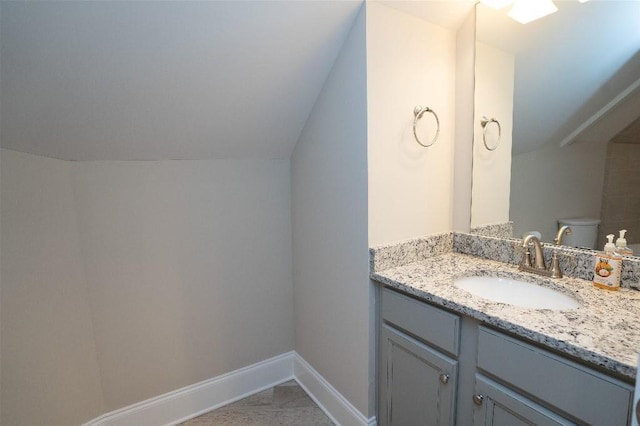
(621, 245)
(608, 267)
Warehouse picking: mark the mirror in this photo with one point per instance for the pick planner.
(564, 90)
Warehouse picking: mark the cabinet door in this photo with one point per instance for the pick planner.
(566, 387)
(417, 383)
(497, 405)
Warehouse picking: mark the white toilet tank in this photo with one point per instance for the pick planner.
(584, 231)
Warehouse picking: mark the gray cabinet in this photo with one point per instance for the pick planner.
(498, 405)
(438, 368)
(417, 381)
(576, 393)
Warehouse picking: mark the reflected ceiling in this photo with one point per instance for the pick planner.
(550, 56)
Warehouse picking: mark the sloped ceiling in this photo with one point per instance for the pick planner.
(445, 13)
(131, 80)
(569, 65)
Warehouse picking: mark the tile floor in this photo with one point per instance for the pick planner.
(286, 404)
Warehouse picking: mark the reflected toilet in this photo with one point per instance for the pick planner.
(584, 231)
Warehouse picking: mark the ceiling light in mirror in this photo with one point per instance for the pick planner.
(525, 11)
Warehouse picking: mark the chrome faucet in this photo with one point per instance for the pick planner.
(539, 267)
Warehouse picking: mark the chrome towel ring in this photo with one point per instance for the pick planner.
(418, 111)
(485, 123)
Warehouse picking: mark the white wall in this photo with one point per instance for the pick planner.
(494, 77)
(409, 62)
(333, 296)
(554, 183)
(188, 265)
(182, 269)
(126, 280)
(49, 361)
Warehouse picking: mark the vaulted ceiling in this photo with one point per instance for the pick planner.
(152, 80)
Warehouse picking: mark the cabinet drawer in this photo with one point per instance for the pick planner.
(585, 394)
(433, 325)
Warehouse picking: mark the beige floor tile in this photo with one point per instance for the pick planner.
(285, 405)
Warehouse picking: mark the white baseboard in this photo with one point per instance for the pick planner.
(183, 404)
(336, 406)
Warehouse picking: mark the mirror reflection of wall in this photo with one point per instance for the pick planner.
(554, 183)
(576, 80)
(621, 188)
(492, 150)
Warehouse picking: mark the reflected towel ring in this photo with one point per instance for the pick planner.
(484, 123)
(417, 112)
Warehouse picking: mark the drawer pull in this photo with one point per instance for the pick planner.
(477, 399)
(444, 378)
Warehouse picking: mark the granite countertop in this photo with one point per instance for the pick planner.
(604, 331)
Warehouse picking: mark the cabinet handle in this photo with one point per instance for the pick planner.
(444, 378)
(477, 399)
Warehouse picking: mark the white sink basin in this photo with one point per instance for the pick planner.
(516, 292)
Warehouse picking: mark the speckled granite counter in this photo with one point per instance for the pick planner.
(604, 331)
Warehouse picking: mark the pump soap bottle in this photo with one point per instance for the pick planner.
(621, 245)
(608, 267)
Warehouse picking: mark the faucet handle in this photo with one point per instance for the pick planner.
(526, 257)
(554, 266)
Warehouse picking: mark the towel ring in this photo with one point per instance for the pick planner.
(484, 123)
(417, 112)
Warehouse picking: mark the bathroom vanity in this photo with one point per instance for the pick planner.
(508, 381)
(447, 357)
